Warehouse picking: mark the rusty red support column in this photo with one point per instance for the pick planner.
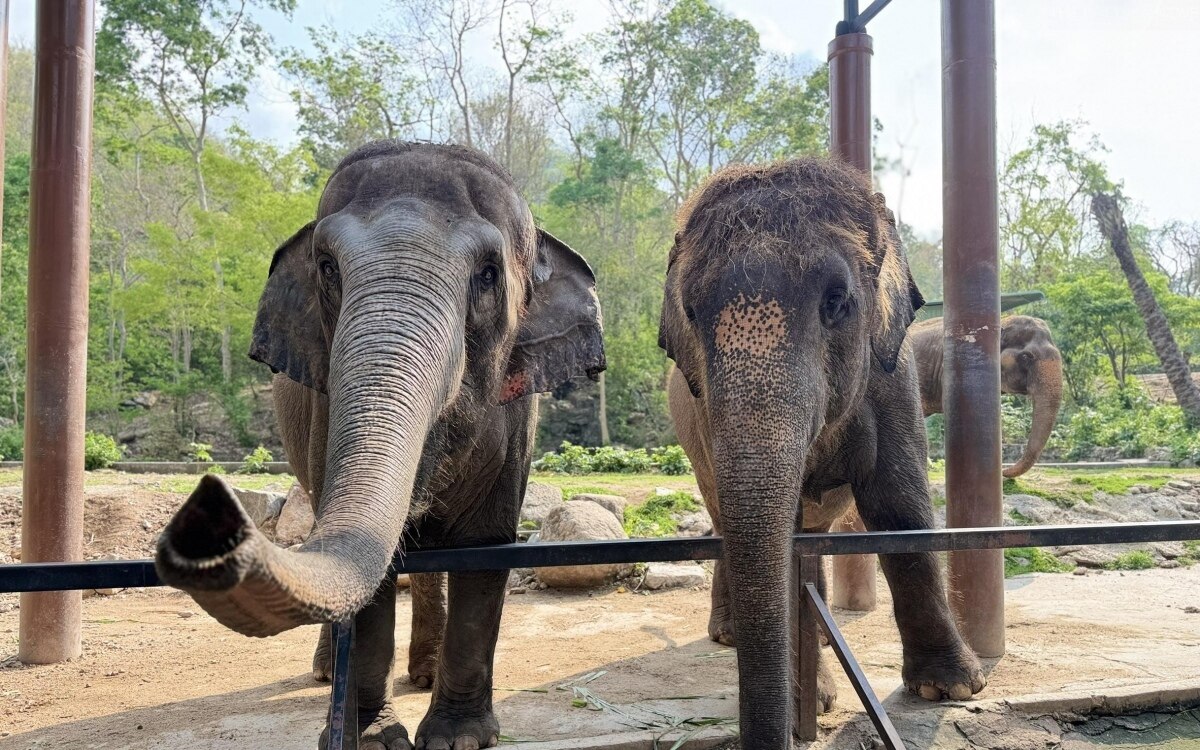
(972, 313)
(850, 139)
(56, 370)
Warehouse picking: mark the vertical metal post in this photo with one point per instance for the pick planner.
(850, 139)
(56, 370)
(972, 320)
(808, 647)
(3, 115)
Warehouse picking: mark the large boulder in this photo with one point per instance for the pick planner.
(539, 500)
(663, 575)
(614, 504)
(263, 507)
(581, 522)
(296, 519)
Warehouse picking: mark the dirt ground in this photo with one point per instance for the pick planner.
(157, 672)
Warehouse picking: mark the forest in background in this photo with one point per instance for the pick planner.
(605, 133)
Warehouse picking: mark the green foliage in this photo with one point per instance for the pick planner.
(1061, 498)
(577, 459)
(99, 451)
(656, 516)
(1118, 483)
(12, 443)
(1126, 419)
(200, 452)
(1022, 560)
(256, 461)
(1136, 560)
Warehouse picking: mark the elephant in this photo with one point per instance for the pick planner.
(412, 322)
(1030, 364)
(786, 304)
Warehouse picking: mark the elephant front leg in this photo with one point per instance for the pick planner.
(428, 625)
(937, 662)
(720, 618)
(373, 658)
(460, 716)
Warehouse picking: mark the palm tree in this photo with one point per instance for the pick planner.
(1107, 210)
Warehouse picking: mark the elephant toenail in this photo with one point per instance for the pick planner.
(930, 693)
(960, 692)
(493, 740)
(437, 743)
(422, 681)
(466, 743)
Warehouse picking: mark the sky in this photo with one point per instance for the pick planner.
(1127, 67)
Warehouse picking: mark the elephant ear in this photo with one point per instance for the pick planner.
(898, 297)
(288, 336)
(669, 321)
(561, 333)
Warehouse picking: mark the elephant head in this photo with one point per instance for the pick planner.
(420, 297)
(1031, 364)
(787, 293)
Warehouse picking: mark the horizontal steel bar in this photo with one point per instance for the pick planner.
(134, 573)
(858, 678)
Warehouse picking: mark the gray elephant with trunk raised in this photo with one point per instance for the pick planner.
(410, 322)
(787, 302)
(1030, 364)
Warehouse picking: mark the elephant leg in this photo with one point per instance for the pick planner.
(937, 662)
(322, 663)
(460, 715)
(373, 659)
(720, 618)
(428, 625)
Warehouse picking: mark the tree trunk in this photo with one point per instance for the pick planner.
(1112, 225)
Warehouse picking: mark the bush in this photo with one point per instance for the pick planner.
(201, 452)
(256, 462)
(576, 459)
(1136, 560)
(1021, 560)
(99, 451)
(1128, 420)
(12, 443)
(656, 516)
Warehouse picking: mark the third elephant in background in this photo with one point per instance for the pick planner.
(1030, 364)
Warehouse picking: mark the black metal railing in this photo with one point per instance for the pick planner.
(25, 577)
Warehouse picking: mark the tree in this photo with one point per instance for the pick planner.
(195, 57)
(1176, 253)
(1107, 210)
(351, 91)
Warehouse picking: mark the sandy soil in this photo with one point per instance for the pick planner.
(157, 672)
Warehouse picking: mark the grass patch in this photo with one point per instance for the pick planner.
(1022, 560)
(1136, 560)
(1019, 518)
(1063, 498)
(1117, 483)
(656, 516)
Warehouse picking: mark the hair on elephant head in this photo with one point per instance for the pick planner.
(420, 297)
(787, 299)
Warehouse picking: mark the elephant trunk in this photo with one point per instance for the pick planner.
(1045, 388)
(390, 376)
(759, 469)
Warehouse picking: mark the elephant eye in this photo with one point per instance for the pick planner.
(488, 276)
(835, 307)
(328, 269)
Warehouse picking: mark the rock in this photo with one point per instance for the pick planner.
(1093, 556)
(673, 576)
(1169, 492)
(694, 523)
(575, 522)
(1191, 610)
(1081, 571)
(1169, 564)
(133, 434)
(260, 505)
(1158, 453)
(1034, 508)
(1166, 510)
(614, 504)
(1141, 489)
(296, 519)
(1169, 550)
(539, 500)
(1180, 484)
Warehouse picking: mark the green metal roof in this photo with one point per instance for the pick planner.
(1009, 301)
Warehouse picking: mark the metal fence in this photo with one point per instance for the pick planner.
(808, 548)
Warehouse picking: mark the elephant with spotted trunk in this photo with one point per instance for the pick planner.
(786, 307)
(411, 323)
(1030, 364)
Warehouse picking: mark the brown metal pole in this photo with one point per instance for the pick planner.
(972, 313)
(3, 119)
(56, 370)
(850, 139)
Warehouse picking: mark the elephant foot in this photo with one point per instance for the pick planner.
(720, 628)
(956, 675)
(421, 670)
(446, 728)
(322, 663)
(826, 689)
(379, 729)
